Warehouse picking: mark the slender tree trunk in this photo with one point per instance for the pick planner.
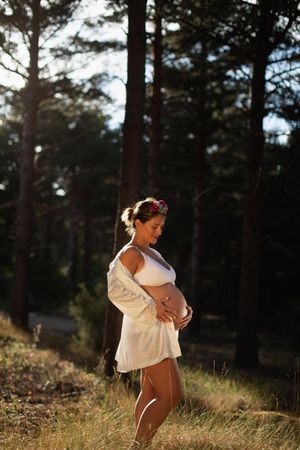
(88, 247)
(156, 105)
(199, 204)
(130, 177)
(48, 237)
(247, 344)
(20, 296)
(73, 237)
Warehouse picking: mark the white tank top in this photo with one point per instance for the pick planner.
(153, 273)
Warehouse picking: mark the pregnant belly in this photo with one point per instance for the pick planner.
(177, 299)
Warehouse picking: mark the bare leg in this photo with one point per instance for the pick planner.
(146, 395)
(165, 380)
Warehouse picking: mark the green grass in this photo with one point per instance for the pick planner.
(48, 403)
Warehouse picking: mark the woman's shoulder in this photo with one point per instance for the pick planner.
(129, 251)
(130, 257)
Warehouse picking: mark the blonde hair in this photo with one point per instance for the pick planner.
(142, 210)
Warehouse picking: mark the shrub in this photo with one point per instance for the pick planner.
(88, 310)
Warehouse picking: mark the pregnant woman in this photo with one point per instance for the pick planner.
(142, 285)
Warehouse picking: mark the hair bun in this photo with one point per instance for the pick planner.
(127, 216)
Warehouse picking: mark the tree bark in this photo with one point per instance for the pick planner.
(199, 204)
(130, 175)
(88, 247)
(247, 344)
(74, 235)
(49, 227)
(156, 106)
(20, 296)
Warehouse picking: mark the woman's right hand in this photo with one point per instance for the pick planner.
(165, 313)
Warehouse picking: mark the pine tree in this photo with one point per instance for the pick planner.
(268, 35)
(130, 174)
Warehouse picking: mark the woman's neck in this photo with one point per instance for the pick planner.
(139, 243)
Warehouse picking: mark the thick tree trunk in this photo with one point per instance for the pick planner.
(199, 205)
(247, 343)
(156, 105)
(20, 296)
(130, 177)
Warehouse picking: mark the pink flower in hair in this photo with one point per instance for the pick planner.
(159, 207)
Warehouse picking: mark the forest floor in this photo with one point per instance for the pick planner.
(54, 398)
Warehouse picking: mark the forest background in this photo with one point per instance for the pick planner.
(216, 72)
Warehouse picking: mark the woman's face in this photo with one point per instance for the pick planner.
(152, 229)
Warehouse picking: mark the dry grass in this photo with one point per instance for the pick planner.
(8, 331)
(77, 411)
(108, 426)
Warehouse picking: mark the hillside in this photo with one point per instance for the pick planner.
(49, 403)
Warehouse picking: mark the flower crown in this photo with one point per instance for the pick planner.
(159, 207)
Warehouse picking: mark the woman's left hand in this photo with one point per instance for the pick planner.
(185, 321)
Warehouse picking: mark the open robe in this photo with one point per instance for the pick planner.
(145, 340)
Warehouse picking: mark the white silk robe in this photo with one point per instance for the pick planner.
(145, 340)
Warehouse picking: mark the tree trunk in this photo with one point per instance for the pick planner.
(247, 344)
(49, 228)
(156, 104)
(20, 297)
(130, 176)
(199, 205)
(73, 236)
(88, 247)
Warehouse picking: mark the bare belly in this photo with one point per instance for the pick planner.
(177, 299)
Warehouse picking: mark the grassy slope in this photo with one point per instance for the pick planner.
(47, 403)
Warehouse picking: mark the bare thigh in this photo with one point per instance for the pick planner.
(146, 385)
(165, 379)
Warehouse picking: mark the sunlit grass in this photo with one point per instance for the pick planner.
(106, 422)
(228, 392)
(10, 331)
(110, 426)
(220, 410)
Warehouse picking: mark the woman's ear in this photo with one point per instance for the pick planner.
(137, 223)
